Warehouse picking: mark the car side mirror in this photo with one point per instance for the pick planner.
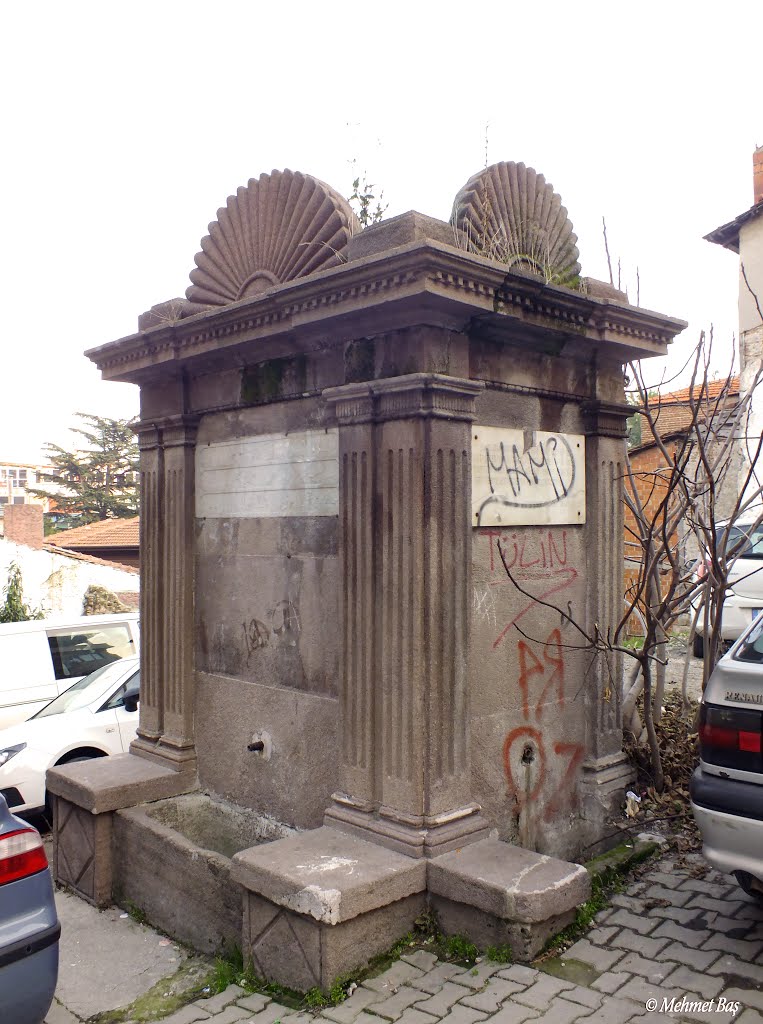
(131, 701)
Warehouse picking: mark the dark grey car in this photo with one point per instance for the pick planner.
(29, 928)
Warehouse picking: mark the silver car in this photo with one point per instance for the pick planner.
(29, 928)
(727, 787)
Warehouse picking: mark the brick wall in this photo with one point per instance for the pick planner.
(23, 525)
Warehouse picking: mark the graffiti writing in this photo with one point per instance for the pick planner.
(542, 474)
(537, 560)
(283, 629)
(535, 777)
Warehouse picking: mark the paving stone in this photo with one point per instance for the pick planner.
(348, 1011)
(698, 885)
(617, 1011)
(699, 959)
(398, 1002)
(648, 947)
(634, 903)
(439, 1004)
(730, 965)
(540, 994)
(274, 1012)
(601, 959)
(414, 1016)
(687, 936)
(685, 978)
(741, 948)
(400, 973)
(520, 973)
(216, 1003)
(728, 908)
(230, 1015)
(562, 1011)
(255, 1002)
(433, 980)
(655, 972)
(665, 878)
(421, 958)
(476, 977)
(611, 981)
(703, 1010)
(640, 990)
(741, 927)
(745, 996)
(662, 892)
(513, 1013)
(750, 1017)
(639, 923)
(602, 936)
(683, 915)
(185, 1015)
(459, 1014)
(364, 1017)
(584, 996)
(635, 888)
(58, 1014)
(604, 915)
(493, 995)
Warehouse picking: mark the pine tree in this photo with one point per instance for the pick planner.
(98, 481)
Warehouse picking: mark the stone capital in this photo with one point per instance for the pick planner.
(412, 395)
(606, 419)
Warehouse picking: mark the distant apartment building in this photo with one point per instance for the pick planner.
(15, 478)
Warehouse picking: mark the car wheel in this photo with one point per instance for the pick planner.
(698, 646)
(751, 885)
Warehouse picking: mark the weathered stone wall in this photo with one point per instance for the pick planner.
(267, 637)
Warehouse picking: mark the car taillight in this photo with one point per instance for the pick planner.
(21, 854)
(730, 737)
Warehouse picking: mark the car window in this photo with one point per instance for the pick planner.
(751, 648)
(84, 692)
(80, 652)
(117, 699)
(752, 541)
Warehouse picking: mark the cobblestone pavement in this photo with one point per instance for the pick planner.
(668, 936)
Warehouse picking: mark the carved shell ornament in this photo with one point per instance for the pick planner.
(510, 213)
(279, 227)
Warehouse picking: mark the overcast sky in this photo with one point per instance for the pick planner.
(125, 127)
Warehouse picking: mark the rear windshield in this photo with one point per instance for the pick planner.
(79, 652)
(750, 538)
(751, 648)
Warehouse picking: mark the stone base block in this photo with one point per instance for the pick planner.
(418, 838)
(526, 940)
(122, 780)
(300, 952)
(321, 903)
(82, 851)
(604, 782)
(498, 894)
(84, 795)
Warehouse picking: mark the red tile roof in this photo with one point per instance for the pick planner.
(672, 411)
(107, 533)
(54, 549)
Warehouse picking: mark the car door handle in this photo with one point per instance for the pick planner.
(110, 728)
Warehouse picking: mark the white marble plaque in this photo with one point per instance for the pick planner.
(527, 477)
(269, 476)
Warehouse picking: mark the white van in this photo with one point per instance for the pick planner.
(42, 658)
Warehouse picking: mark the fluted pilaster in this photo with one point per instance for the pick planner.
(406, 563)
(165, 732)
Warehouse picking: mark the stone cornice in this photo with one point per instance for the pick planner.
(422, 282)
